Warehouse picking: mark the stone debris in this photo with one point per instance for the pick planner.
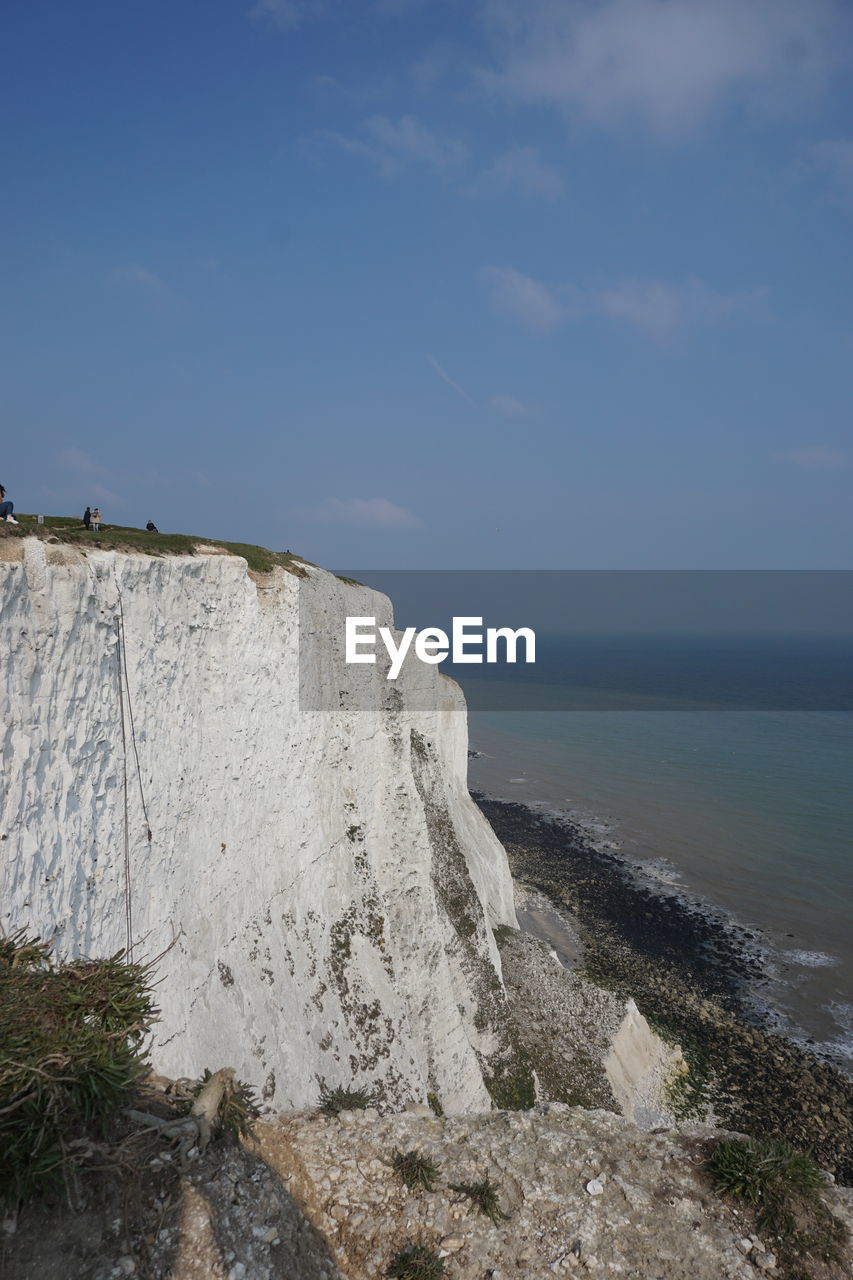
(451, 1243)
(585, 1192)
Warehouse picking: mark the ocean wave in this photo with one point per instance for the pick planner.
(840, 1045)
(810, 959)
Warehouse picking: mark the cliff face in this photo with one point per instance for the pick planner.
(319, 881)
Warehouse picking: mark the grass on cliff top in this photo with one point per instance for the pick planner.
(116, 537)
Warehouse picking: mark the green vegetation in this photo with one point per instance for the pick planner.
(72, 1037)
(333, 1101)
(688, 1092)
(763, 1173)
(73, 1041)
(511, 1085)
(69, 529)
(415, 1170)
(416, 1261)
(783, 1185)
(435, 1103)
(484, 1196)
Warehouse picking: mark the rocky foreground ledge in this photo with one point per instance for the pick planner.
(316, 1196)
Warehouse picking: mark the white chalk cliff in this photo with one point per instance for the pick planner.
(318, 880)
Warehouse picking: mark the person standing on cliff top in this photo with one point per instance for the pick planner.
(96, 519)
(87, 518)
(7, 509)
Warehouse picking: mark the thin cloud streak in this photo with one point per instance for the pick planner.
(445, 376)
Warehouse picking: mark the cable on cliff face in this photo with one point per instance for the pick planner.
(123, 686)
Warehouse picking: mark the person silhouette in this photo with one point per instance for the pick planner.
(7, 509)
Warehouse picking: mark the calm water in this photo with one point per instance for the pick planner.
(751, 810)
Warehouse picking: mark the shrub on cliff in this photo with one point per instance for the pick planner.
(416, 1261)
(783, 1185)
(334, 1101)
(72, 1047)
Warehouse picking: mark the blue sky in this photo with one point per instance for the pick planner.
(434, 283)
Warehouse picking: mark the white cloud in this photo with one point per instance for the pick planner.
(666, 64)
(101, 493)
(522, 298)
(439, 61)
(509, 407)
(653, 307)
(393, 145)
(521, 169)
(657, 308)
(445, 376)
(289, 15)
(814, 457)
(82, 463)
(832, 160)
(145, 282)
(378, 512)
(93, 473)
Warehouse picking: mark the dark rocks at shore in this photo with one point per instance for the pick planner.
(601, 886)
(687, 972)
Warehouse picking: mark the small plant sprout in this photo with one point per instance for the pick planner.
(334, 1101)
(484, 1195)
(415, 1170)
(416, 1261)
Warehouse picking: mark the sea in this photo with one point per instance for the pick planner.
(748, 811)
(700, 724)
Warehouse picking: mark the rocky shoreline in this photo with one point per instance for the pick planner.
(689, 974)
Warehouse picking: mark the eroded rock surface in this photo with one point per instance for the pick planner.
(655, 1216)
